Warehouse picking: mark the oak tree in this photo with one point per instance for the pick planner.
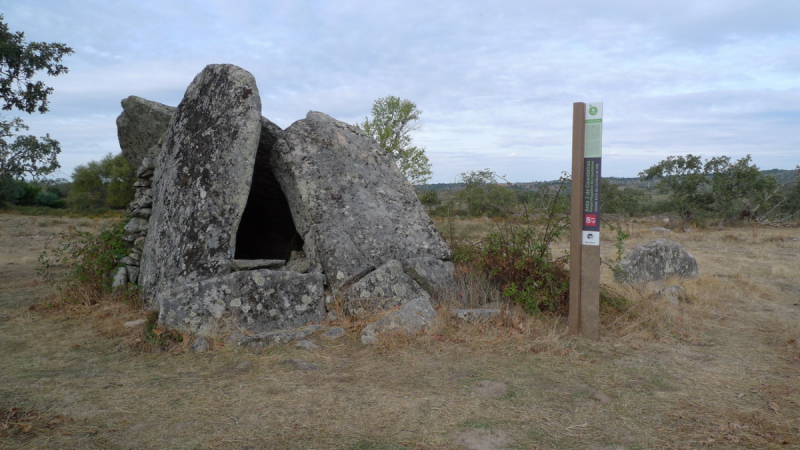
(393, 121)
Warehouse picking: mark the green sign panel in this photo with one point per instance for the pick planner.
(592, 159)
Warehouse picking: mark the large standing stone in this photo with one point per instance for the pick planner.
(140, 126)
(657, 260)
(201, 181)
(255, 300)
(351, 204)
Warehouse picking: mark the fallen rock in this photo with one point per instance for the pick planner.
(134, 323)
(334, 333)
(200, 345)
(657, 260)
(475, 315)
(120, 278)
(410, 318)
(383, 288)
(660, 230)
(243, 365)
(307, 345)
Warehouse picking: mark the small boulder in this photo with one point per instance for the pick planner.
(384, 288)
(134, 323)
(200, 345)
(120, 278)
(307, 345)
(475, 315)
(657, 260)
(411, 318)
(334, 333)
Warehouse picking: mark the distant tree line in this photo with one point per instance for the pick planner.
(686, 187)
(104, 184)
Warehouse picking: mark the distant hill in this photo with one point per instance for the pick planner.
(783, 176)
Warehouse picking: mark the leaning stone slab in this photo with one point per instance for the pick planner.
(474, 315)
(657, 260)
(140, 126)
(384, 288)
(202, 180)
(433, 275)
(254, 301)
(410, 318)
(350, 203)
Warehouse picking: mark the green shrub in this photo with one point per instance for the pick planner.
(82, 265)
(517, 255)
(49, 199)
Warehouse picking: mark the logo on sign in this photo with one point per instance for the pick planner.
(591, 219)
(592, 110)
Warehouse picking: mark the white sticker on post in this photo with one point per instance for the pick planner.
(591, 238)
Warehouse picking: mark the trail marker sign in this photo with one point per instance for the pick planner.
(587, 153)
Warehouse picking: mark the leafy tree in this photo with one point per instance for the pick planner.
(105, 183)
(19, 62)
(393, 121)
(429, 198)
(740, 189)
(26, 156)
(727, 189)
(615, 199)
(483, 195)
(684, 178)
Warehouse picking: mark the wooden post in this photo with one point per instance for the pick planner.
(584, 301)
(576, 217)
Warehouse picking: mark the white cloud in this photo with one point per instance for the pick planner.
(495, 82)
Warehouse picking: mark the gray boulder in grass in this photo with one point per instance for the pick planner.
(657, 260)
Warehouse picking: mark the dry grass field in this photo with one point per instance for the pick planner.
(720, 370)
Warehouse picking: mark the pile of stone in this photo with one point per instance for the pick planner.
(136, 229)
(240, 225)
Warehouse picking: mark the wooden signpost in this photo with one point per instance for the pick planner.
(584, 282)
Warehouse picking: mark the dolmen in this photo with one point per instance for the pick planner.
(240, 225)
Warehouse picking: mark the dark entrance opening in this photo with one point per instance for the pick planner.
(267, 230)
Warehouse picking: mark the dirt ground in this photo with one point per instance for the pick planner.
(718, 371)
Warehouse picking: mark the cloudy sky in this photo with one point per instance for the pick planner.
(495, 80)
